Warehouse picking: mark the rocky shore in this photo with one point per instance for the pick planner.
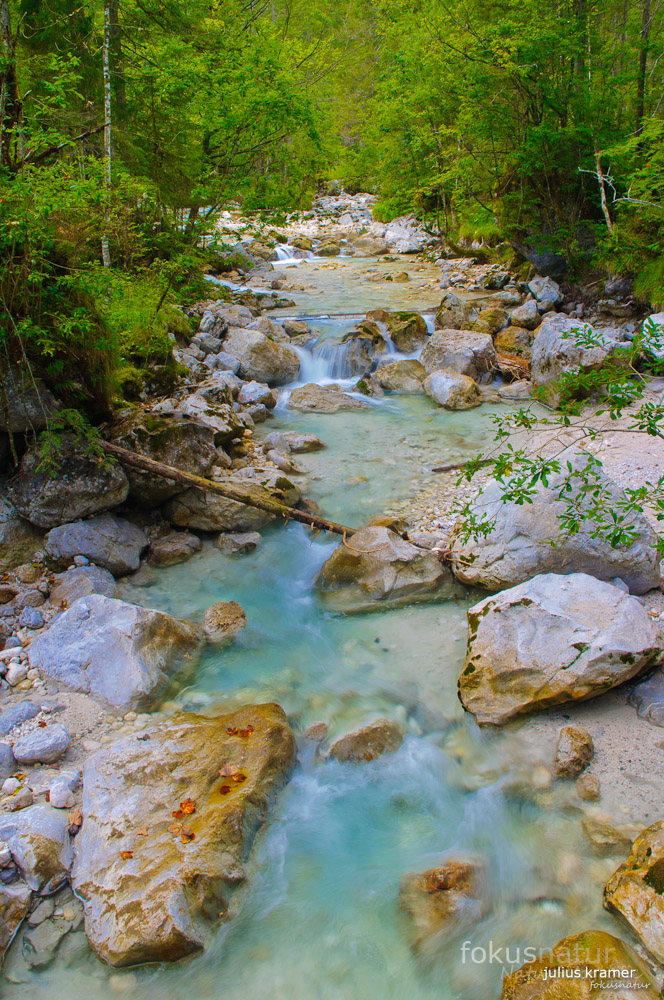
(126, 816)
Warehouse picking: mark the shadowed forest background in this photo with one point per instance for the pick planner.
(126, 125)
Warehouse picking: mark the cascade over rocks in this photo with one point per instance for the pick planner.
(636, 889)
(262, 359)
(163, 901)
(119, 652)
(464, 351)
(552, 640)
(376, 568)
(77, 486)
(183, 444)
(519, 545)
(108, 541)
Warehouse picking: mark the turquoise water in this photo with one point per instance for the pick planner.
(318, 918)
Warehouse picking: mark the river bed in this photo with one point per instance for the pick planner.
(318, 916)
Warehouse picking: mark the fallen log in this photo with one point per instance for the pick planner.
(252, 496)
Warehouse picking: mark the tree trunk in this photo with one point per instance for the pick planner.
(119, 83)
(105, 250)
(602, 189)
(10, 104)
(643, 66)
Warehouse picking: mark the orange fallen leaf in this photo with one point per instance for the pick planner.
(188, 806)
(246, 733)
(175, 829)
(177, 814)
(75, 818)
(231, 730)
(42, 724)
(239, 778)
(126, 855)
(187, 835)
(19, 776)
(143, 832)
(225, 789)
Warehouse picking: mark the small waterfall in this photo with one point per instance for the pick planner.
(291, 255)
(343, 359)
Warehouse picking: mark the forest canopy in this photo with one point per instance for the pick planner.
(126, 125)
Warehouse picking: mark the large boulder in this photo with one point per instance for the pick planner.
(375, 568)
(183, 444)
(107, 541)
(19, 540)
(559, 349)
(407, 330)
(401, 376)
(444, 901)
(322, 399)
(636, 889)
(25, 402)
(40, 844)
(519, 544)
(514, 340)
(453, 313)
(547, 293)
(262, 359)
(452, 391)
(75, 486)
(581, 967)
(116, 651)
(213, 512)
(464, 351)
(551, 640)
(169, 817)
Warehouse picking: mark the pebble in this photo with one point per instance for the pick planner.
(42, 746)
(81, 561)
(31, 618)
(89, 746)
(41, 913)
(60, 797)
(21, 800)
(5, 855)
(16, 673)
(10, 785)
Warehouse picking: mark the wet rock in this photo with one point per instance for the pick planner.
(14, 905)
(78, 485)
(222, 622)
(212, 512)
(605, 836)
(16, 714)
(296, 328)
(183, 444)
(452, 391)
(316, 732)
(557, 351)
(547, 293)
(43, 911)
(490, 321)
(407, 330)
(292, 441)
(163, 901)
(526, 315)
(240, 542)
(580, 967)
(81, 582)
(376, 568)
(174, 548)
(42, 746)
(636, 890)
(514, 340)
(257, 392)
(108, 541)
(552, 640)
(574, 751)
(648, 698)
(401, 376)
(7, 762)
(41, 943)
(453, 313)
(322, 399)
(39, 840)
(120, 652)
(463, 351)
(368, 742)
(588, 788)
(519, 547)
(18, 539)
(262, 359)
(444, 901)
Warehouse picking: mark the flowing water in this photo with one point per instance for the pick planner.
(318, 918)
